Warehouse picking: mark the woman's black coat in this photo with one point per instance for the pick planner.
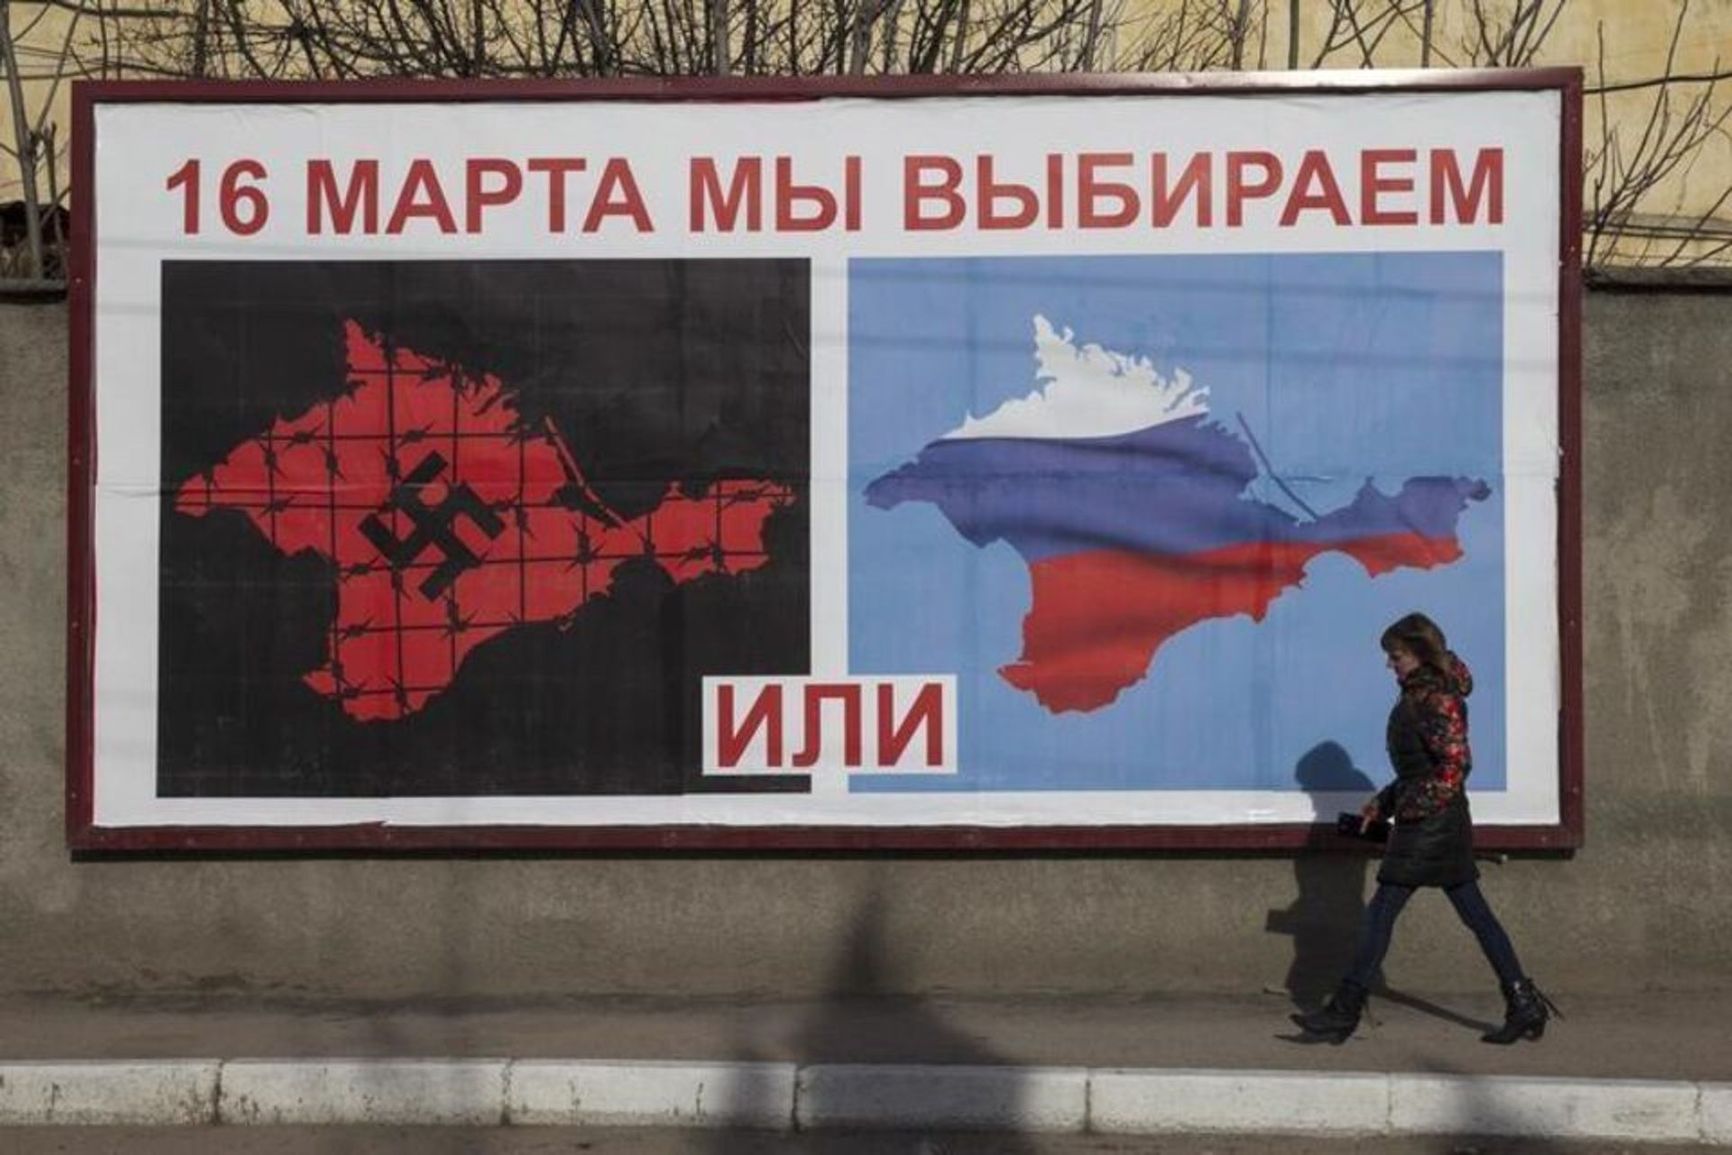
(1435, 849)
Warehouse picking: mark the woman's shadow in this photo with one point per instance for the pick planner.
(1323, 919)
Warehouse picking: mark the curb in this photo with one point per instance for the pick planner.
(790, 1097)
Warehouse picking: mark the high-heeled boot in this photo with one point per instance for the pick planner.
(1526, 1012)
(1339, 1017)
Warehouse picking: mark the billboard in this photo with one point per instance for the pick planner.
(1017, 463)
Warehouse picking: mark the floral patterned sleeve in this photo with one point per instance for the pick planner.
(1386, 800)
(1443, 729)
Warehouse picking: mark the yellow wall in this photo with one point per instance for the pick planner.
(1636, 34)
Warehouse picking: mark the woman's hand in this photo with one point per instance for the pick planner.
(1368, 814)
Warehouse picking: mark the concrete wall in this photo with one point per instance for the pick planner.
(1643, 905)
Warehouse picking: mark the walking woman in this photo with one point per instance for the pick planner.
(1431, 839)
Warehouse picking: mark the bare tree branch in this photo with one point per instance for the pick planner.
(24, 142)
(1712, 77)
(1621, 178)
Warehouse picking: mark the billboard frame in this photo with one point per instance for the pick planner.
(82, 833)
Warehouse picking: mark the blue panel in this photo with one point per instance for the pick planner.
(1331, 370)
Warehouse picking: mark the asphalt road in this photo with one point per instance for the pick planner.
(563, 1141)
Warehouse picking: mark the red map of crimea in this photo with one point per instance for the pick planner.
(449, 522)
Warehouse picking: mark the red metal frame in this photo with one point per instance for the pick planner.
(1570, 707)
(81, 482)
(82, 833)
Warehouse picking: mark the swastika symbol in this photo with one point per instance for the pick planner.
(435, 527)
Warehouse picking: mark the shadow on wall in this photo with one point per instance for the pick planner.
(1323, 918)
(860, 1020)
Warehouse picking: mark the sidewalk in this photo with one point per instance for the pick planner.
(1627, 1067)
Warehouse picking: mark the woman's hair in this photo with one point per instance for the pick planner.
(1419, 636)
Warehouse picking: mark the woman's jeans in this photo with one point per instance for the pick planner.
(1469, 903)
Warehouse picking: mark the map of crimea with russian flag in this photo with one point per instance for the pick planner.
(1133, 508)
